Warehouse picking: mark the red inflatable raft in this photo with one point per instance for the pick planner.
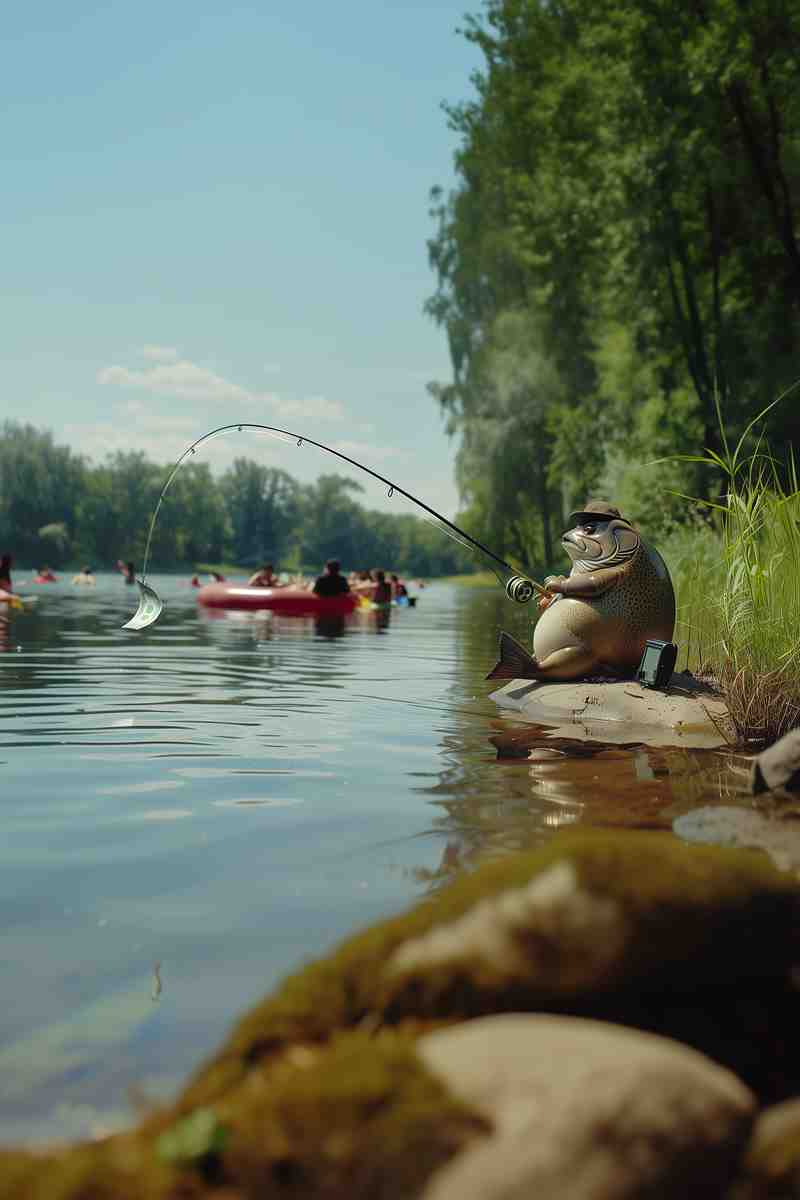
(289, 601)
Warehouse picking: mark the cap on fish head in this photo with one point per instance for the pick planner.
(599, 536)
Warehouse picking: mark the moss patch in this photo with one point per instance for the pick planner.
(360, 1117)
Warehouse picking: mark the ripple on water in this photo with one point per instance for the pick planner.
(365, 764)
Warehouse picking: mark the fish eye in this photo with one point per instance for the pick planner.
(589, 526)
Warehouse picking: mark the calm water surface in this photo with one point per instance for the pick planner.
(191, 812)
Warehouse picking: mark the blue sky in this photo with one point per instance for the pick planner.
(216, 212)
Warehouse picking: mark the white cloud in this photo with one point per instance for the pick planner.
(187, 380)
(182, 378)
(313, 408)
(160, 353)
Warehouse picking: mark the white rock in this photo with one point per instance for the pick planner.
(584, 1110)
(552, 917)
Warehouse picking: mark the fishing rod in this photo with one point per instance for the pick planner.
(517, 587)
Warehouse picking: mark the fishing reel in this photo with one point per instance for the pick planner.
(520, 589)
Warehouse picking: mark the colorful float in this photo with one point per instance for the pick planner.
(288, 601)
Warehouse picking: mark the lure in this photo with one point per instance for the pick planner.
(517, 587)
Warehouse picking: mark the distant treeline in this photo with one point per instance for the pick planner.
(55, 508)
(621, 249)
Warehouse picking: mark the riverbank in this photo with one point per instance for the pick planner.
(560, 1021)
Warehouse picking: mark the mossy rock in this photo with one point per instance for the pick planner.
(318, 1091)
(359, 1117)
(683, 920)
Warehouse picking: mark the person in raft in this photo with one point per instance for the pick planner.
(264, 577)
(363, 584)
(5, 573)
(84, 576)
(7, 595)
(331, 583)
(383, 590)
(398, 587)
(128, 570)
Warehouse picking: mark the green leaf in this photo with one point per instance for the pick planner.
(193, 1138)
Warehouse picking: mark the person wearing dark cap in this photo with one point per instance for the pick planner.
(331, 583)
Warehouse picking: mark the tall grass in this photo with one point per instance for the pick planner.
(738, 585)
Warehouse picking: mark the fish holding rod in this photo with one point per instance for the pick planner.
(517, 587)
(596, 620)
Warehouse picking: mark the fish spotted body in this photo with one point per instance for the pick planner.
(617, 595)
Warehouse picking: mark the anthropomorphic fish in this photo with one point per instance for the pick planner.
(597, 619)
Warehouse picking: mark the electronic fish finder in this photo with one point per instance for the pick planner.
(658, 663)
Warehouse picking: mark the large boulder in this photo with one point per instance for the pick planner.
(586, 1110)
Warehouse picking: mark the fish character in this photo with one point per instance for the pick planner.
(617, 595)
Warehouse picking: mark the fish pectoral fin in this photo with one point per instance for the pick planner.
(514, 661)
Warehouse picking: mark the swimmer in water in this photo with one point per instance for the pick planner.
(264, 577)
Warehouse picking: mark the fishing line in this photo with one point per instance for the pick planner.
(517, 587)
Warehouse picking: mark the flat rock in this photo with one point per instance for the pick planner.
(586, 1110)
(686, 713)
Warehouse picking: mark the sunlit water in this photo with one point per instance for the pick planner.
(191, 812)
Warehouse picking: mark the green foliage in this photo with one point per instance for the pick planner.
(739, 589)
(54, 507)
(620, 245)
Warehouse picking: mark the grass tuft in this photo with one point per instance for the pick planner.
(738, 584)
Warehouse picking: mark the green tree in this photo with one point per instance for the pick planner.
(263, 505)
(40, 483)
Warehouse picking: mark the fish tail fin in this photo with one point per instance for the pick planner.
(514, 661)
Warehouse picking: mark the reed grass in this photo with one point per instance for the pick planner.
(737, 576)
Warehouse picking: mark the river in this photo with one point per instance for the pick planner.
(191, 812)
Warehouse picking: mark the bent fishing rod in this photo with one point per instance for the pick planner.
(517, 587)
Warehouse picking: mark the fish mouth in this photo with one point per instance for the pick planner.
(575, 545)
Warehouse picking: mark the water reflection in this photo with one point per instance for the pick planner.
(329, 627)
(171, 796)
(538, 782)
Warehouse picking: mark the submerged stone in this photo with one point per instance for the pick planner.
(725, 825)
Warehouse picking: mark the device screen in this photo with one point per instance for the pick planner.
(650, 661)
